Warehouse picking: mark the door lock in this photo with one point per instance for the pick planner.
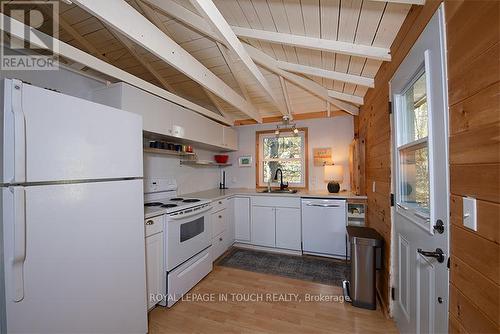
(437, 254)
(439, 227)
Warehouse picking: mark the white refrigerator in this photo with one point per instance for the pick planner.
(72, 231)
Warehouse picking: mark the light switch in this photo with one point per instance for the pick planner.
(469, 212)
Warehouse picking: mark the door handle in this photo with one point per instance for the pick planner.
(19, 251)
(437, 254)
(19, 133)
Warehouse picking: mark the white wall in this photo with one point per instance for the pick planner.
(336, 132)
(189, 179)
(62, 80)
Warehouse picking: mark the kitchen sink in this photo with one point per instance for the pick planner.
(279, 191)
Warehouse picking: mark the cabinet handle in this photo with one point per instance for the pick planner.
(150, 222)
(220, 202)
(220, 239)
(220, 216)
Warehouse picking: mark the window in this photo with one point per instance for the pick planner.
(288, 152)
(413, 147)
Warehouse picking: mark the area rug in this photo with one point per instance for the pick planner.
(308, 268)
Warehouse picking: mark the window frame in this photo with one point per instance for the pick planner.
(259, 158)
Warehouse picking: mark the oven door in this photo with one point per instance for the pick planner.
(187, 235)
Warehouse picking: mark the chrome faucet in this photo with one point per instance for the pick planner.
(282, 185)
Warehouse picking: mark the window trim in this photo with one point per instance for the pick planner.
(306, 156)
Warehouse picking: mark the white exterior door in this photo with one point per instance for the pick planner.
(420, 156)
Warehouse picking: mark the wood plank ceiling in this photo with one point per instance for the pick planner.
(364, 22)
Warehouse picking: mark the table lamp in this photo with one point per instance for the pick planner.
(334, 175)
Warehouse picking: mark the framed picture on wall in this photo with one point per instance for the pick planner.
(245, 161)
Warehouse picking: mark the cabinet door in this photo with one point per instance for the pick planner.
(242, 218)
(263, 226)
(230, 222)
(218, 222)
(230, 137)
(154, 268)
(288, 230)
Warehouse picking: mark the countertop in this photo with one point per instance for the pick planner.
(217, 194)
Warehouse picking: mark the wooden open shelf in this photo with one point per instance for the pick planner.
(196, 163)
(167, 152)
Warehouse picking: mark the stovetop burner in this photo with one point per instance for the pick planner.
(153, 204)
(169, 206)
(191, 200)
(177, 199)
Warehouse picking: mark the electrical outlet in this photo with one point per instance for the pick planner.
(469, 213)
(374, 187)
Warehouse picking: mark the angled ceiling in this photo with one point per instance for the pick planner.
(280, 56)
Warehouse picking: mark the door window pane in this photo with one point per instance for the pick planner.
(414, 169)
(414, 115)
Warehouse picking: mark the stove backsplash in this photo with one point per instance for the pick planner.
(189, 179)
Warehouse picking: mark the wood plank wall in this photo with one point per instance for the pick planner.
(473, 70)
(474, 98)
(375, 130)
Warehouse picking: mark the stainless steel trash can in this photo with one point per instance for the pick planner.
(366, 257)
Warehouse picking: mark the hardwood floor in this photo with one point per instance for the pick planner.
(285, 316)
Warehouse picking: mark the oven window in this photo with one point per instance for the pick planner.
(192, 229)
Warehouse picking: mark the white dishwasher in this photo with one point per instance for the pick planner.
(324, 227)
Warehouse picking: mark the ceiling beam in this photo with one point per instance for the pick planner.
(345, 97)
(120, 15)
(286, 97)
(313, 43)
(218, 23)
(131, 49)
(407, 2)
(43, 41)
(179, 12)
(311, 86)
(327, 74)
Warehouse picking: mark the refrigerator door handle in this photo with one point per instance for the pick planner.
(19, 254)
(19, 133)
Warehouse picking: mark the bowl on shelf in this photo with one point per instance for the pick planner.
(221, 158)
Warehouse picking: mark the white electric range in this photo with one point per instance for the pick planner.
(187, 234)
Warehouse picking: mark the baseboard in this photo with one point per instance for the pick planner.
(267, 249)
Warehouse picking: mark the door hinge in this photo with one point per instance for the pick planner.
(390, 107)
(393, 293)
(392, 199)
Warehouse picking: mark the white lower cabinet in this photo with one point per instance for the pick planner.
(154, 268)
(263, 226)
(276, 222)
(241, 219)
(288, 228)
(222, 227)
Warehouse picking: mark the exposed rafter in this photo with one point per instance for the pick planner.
(309, 85)
(130, 47)
(286, 97)
(119, 15)
(407, 2)
(186, 16)
(315, 43)
(327, 74)
(79, 38)
(212, 15)
(43, 41)
(345, 97)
